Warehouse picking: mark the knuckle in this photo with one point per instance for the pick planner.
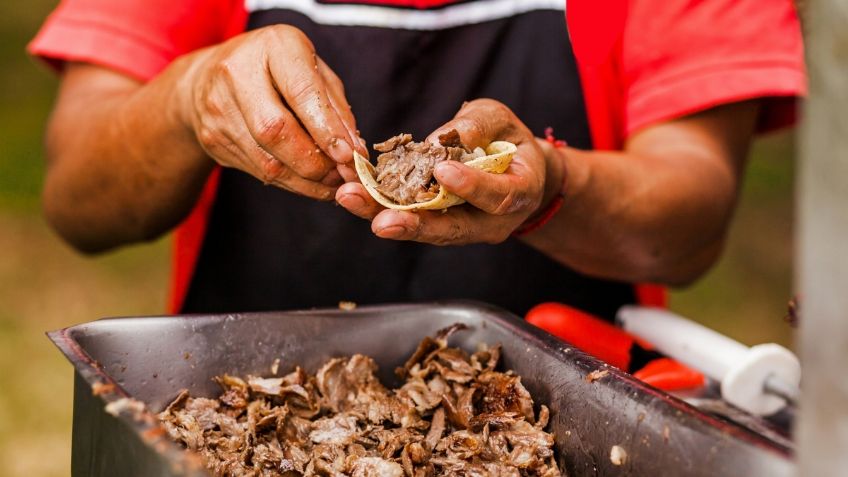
(301, 89)
(296, 34)
(226, 67)
(269, 172)
(516, 199)
(291, 36)
(274, 171)
(315, 170)
(212, 104)
(468, 126)
(271, 131)
(210, 138)
(218, 145)
(280, 31)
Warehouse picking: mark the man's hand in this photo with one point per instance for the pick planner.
(655, 212)
(127, 160)
(497, 203)
(265, 103)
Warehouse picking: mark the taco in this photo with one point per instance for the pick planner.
(403, 178)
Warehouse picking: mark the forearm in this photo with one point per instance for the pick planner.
(656, 212)
(122, 164)
(624, 218)
(127, 161)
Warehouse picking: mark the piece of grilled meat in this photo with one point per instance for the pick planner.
(455, 415)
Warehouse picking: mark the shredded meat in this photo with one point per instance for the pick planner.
(454, 415)
(405, 168)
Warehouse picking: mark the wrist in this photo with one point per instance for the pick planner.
(185, 71)
(556, 171)
(183, 75)
(169, 98)
(555, 175)
(556, 178)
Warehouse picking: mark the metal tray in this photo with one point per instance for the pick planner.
(151, 359)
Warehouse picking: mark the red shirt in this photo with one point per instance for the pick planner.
(640, 62)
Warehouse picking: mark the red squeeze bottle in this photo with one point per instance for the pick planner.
(612, 345)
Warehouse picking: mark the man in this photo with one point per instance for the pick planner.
(167, 115)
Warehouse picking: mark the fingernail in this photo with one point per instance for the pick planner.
(351, 201)
(340, 150)
(392, 231)
(448, 174)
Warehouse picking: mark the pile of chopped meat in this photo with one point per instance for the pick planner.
(454, 416)
(405, 168)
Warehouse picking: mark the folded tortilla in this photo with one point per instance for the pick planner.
(499, 156)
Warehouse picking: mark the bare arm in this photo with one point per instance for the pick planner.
(126, 160)
(121, 165)
(657, 211)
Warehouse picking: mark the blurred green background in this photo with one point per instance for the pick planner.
(44, 285)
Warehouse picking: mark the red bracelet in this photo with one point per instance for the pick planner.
(542, 218)
(553, 207)
(549, 136)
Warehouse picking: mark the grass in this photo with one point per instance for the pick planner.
(25, 97)
(44, 285)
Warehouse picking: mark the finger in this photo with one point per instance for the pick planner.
(293, 183)
(294, 69)
(276, 130)
(479, 123)
(338, 100)
(496, 194)
(216, 114)
(347, 172)
(257, 162)
(271, 171)
(333, 178)
(353, 197)
(457, 226)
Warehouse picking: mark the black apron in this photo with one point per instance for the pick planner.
(268, 249)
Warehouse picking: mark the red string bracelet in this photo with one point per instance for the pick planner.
(545, 216)
(542, 219)
(549, 136)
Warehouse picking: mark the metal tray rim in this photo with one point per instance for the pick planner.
(153, 434)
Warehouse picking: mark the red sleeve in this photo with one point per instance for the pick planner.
(644, 61)
(683, 56)
(136, 37)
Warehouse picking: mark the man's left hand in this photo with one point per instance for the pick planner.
(497, 204)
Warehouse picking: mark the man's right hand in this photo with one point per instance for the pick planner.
(128, 159)
(265, 103)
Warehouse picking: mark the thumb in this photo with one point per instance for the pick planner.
(478, 123)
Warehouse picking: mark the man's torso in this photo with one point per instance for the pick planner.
(405, 69)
